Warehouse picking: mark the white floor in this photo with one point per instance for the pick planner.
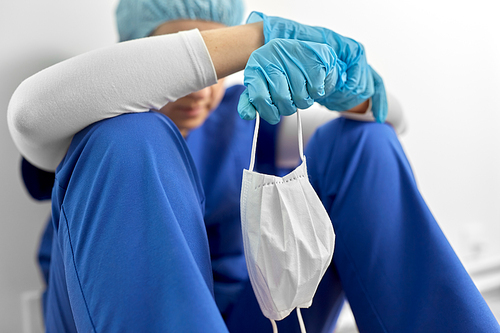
(346, 322)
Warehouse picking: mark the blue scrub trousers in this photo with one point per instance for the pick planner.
(130, 251)
(391, 261)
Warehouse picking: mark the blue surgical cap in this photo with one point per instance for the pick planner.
(139, 18)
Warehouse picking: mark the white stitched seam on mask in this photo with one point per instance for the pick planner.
(279, 182)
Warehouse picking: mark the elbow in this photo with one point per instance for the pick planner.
(30, 126)
(17, 120)
(21, 115)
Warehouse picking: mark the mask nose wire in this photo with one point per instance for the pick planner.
(256, 134)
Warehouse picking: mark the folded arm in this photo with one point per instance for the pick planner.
(48, 108)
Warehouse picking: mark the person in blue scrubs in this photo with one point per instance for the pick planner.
(146, 237)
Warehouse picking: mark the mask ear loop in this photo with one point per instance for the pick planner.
(275, 328)
(256, 134)
(254, 143)
(301, 321)
(252, 165)
(299, 135)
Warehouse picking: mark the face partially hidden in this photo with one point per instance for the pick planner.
(191, 111)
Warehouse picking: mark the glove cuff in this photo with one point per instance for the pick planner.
(258, 17)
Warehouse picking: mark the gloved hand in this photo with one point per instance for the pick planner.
(286, 74)
(362, 81)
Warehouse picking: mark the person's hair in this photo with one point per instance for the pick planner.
(139, 18)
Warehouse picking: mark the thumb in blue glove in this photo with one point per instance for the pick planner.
(284, 75)
(362, 81)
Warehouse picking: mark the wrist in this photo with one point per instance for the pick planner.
(231, 47)
(360, 108)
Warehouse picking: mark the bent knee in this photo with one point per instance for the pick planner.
(135, 127)
(372, 135)
(351, 134)
(345, 142)
(129, 137)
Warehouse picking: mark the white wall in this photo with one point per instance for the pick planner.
(440, 58)
(34, 34)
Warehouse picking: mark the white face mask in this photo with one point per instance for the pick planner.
(287, 235)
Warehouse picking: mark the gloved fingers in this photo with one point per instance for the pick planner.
(361, 83)
(368, 84)
(259, 95)
(354, 77)
(353, 55)
(316, 84)
(298, 88)
(335, 80)
(245, 108)
(315, 81)
(309, 70)
(379, 98)
(280, 91)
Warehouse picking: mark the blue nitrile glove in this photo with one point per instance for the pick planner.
(286, 74)
(362, 81)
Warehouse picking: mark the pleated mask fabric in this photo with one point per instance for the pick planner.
(287, 235)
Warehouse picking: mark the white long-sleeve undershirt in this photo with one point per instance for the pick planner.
(48, 108)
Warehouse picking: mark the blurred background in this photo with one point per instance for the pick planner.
(440, 58)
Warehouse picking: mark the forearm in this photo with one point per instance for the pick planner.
(360, 108)
(231, 47)
(395, 115)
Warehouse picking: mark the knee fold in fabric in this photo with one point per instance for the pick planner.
(129, 223)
